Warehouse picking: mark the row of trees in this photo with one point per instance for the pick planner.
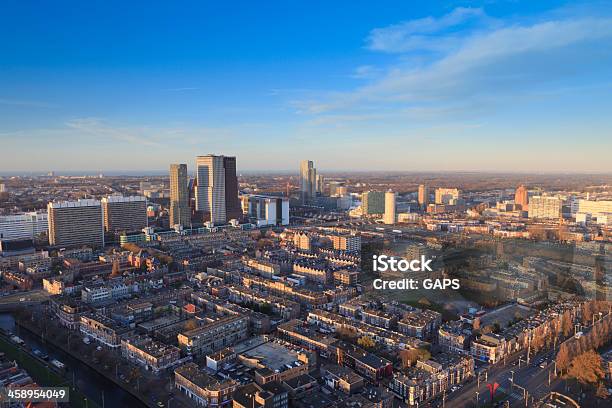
(598, 336)
(548, 336)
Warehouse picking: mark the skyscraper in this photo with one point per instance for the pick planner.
(180, 213)
(217, 188)
(232, 202)
(124, 213)
(423, 195)
(76, 223)
(320, 183)
(389, 217)
(308, 181)
(521, 198)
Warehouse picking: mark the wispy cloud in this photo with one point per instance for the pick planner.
(424, 33)
(31, 104)
(366, 72)
(502, 60)
(97, 127)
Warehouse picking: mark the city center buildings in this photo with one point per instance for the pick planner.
(216, 192)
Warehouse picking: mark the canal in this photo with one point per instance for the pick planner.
(95, 386)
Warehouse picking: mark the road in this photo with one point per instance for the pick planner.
(529, 376)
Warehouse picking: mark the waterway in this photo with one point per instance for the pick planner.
(95, 386)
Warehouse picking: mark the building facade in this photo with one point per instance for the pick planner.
(204, 389)
(216, 192)
(423, 195)
(373, 202)
(124, 213)
(76, 223)
(389, 216)
(266, 210)
(23, 226)
(180, 212)
(521, 197)
(447, 195)
(308, 181)
(545, 207)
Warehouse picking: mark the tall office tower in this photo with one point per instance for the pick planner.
(232, 202)
(446, 195)
(320, 184)
(373, 202)
(124, 213)
(308, 181)
(389, 217)
(521, 197)
(75, 223)
(180, 213)
(2, 188)
(216, 192)
(545, 207)
(423, 195)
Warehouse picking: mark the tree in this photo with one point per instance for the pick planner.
(586, 368)
(191, 324)
(346, 332)
(409, 357)
(116, 269)
(563, 357)
(366, 342)
(566, 324)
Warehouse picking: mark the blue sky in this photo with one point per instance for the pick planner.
(353, 85)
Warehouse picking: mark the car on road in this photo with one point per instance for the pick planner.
(543, 364)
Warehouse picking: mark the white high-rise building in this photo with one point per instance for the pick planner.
(389, 217)
(308, 181)
(210, 191)
(2, 188)
(23, 226)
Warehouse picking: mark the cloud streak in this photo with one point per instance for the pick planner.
(424, 33)
(503, 60)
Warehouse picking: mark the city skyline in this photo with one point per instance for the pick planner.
(392, 204)
(517, 87)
